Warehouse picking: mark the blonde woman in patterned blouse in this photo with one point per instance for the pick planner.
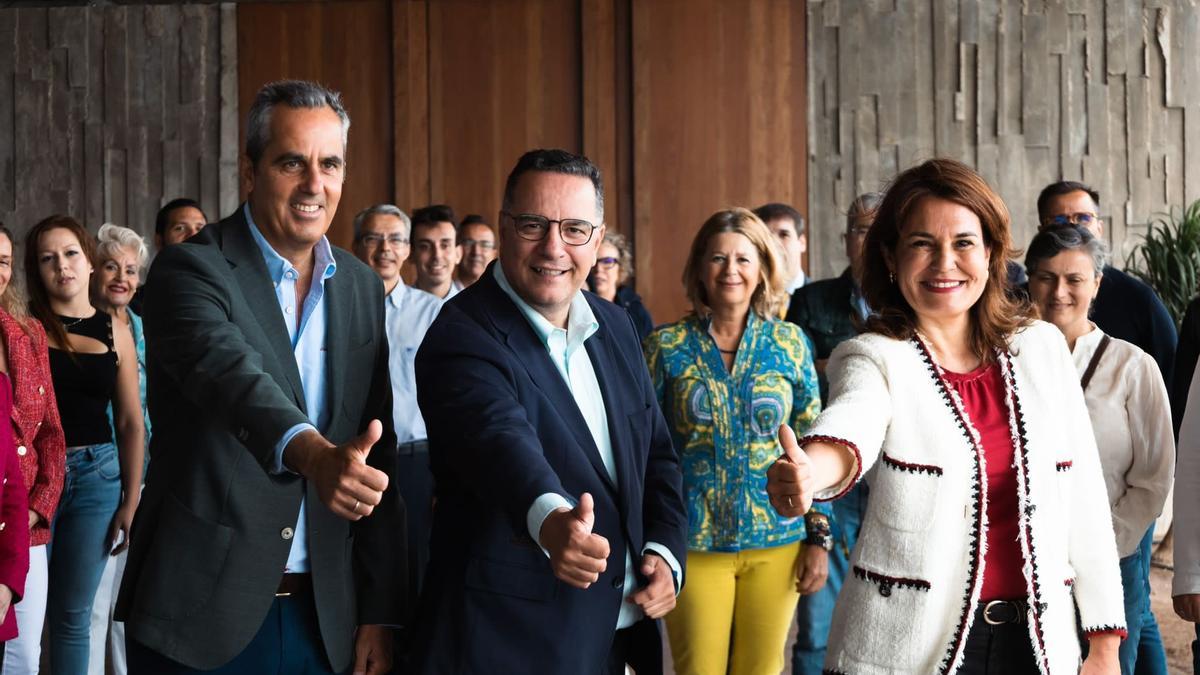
(727, 376)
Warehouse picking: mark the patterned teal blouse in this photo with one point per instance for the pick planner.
(724, 424)
(139, 341)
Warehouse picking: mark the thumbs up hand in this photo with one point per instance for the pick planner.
(577, 556)
(340, 474)
(790, 483)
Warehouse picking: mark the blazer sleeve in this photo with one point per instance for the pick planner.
(1186, 506)
(484, 438)
(14, 534)
(49, 442)
(380, 552)
(859, 410)
(190, 331)
(1161, 335)
(1091, 546)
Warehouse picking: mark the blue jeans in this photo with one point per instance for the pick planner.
(1142, 652)
(814, 612)
(78, 551)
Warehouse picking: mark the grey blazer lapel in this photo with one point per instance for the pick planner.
(339, 307)
(250, 273)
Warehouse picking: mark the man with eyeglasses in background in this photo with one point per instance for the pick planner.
(381, 241)
(558, 537)
(1125, 307)
(435, 241)
(477, 244)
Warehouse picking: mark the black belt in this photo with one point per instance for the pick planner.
(413, 448)
(1000, 612)
(294, 584)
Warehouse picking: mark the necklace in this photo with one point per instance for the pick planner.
(67, 322)
(727, 351)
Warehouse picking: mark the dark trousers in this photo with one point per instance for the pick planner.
(639, 646)
(288, 643)
(998, 650)
(414, 481)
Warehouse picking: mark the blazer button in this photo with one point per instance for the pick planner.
(1, 527)
(41, 390)
(618, 582)
(287, 533)
(885, 589)
(21, 451)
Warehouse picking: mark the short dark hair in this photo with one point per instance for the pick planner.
(1054, 240)
(555, 161)
(473, 219)
(1063, 187)
(432, 215)
(777, 210)
(164, 214)
(293, 94)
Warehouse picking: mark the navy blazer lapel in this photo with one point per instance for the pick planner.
(531, 354)
(609, 373)
(250, 272)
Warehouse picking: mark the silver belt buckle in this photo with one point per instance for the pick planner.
(987, 609)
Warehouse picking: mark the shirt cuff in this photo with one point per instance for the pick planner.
(542, 507)
(288, 435)
(665, 553)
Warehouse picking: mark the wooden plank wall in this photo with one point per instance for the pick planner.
(106, 113)
(346, 46)
(718, 121)
(1028, 92)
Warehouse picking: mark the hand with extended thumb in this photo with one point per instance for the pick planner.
(790, 482)
(577, 556)
(340, 473)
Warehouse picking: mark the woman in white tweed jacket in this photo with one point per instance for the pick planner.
(963, 565)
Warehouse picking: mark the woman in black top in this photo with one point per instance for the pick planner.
(91, 365)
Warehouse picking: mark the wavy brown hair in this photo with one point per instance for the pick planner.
(995, 316)
(39, 300)
(769, 294)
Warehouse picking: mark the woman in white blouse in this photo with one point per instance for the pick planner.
(1131, 419)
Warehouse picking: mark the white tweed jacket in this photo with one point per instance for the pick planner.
(918, 565)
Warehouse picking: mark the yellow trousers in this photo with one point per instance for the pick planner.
(734, 612)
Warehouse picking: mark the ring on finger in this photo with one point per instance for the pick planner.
(790, 504)
(356, 503)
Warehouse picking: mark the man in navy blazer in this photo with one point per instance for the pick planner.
(559, 526)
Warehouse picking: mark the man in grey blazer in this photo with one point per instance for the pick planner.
(268, 539)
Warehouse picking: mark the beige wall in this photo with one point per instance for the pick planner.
(1028, 92)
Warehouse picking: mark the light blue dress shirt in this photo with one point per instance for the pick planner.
(408, 313)
(308, 345)
(570, 357)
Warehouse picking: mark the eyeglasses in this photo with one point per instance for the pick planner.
(606, 263)
(1080, 218)
(533, 227)
(374, 240)
(478, 243)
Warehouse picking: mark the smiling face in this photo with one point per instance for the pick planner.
(1063, 288)
(437, 253)
(378, 246)
(6, 262)
(941, 261)
(548, 273)
(294, 189)
(62, 265)
(117, 279)
(730, 271)
(478, 249)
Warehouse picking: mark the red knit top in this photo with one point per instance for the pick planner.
(983, 397)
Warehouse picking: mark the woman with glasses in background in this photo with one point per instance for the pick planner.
(609, 279)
